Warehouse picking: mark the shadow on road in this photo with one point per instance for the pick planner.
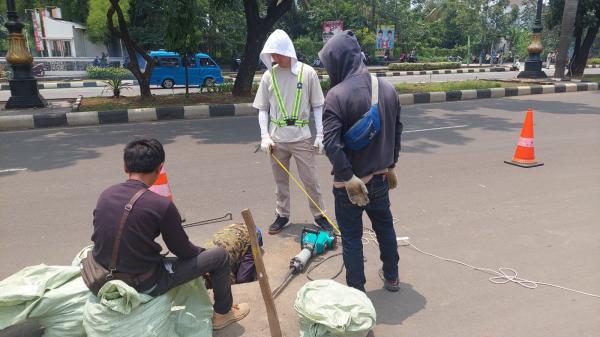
(57, 148)
(394, 308)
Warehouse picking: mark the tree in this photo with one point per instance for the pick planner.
(147, 19)
(566, 32)
(180, 33)
(257, 28)
(133, 49)
(587, 25)
(97, 30)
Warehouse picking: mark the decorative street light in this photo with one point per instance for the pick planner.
(533, 65)
(23, 86)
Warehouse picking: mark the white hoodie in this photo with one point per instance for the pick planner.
(279, 43)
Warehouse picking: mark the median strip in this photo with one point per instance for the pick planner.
(146, 114)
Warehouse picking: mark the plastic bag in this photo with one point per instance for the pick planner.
(119, 310)
(326, 308)
(52, 295)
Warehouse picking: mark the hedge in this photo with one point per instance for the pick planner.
(106, 73)
(423, 66)
(594, 60)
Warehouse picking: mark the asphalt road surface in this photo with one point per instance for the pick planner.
(456, 198)
(134, 90)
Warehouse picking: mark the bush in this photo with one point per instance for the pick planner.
(423, 66)
(594, 60)
(325, 85)
(109, 73)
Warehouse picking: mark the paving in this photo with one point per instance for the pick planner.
(456, 198)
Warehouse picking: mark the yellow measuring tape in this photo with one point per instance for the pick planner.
(305, 193)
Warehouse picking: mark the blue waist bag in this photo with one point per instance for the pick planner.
(368, 126)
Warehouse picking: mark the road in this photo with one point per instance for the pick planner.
(134, 90)
(456, 198)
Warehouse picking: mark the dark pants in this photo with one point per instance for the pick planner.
(213, 261)
(349, 218)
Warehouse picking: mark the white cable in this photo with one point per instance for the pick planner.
(501, 276)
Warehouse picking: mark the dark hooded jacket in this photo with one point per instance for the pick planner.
(346, 102)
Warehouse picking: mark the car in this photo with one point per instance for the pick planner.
(169, 71)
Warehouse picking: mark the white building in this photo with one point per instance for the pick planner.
(68, 39)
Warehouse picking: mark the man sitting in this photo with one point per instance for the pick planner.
(150, 216)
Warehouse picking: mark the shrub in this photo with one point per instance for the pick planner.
(594, 60)
(325, 85)
(423, 66)
(108, 73)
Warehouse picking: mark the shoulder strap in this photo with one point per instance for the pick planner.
(374, 90)
(115, 253)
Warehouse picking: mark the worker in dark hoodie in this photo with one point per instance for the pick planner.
(362, 129)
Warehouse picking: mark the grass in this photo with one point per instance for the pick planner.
(593, 78)
(108, 103)
(409, 88)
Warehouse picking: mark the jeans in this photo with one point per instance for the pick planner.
(349, 219)
(213, 261)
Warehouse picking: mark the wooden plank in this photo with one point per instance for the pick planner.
(261, 273)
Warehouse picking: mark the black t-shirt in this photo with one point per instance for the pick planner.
(151, 216)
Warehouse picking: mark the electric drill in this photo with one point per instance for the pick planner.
(312, 243)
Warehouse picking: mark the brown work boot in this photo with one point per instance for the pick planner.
(237, 312)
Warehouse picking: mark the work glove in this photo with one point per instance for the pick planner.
(357, 191)
(267, 144)
(319, 144)
(392, 178)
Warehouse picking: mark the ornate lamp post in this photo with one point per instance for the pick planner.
(533, 65)
(23, 86)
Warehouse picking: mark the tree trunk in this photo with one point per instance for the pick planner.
(256, 35)
(566, 33)
(133, 49)
(245, 75)
(580, 55)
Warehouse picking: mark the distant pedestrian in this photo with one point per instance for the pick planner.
(481, 57)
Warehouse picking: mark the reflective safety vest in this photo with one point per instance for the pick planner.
(288, 120)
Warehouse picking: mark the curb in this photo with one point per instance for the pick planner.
(67, 85)
(90, 118)
(464, 95)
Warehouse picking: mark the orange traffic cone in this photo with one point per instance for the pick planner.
(525, 153)
(161, 186)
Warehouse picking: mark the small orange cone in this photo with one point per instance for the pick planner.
(525, 152)
(161, 186)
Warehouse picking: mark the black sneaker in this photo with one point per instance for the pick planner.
(324, 224)
(278, 225)
(390, 285)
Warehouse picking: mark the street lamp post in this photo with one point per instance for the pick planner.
(23, 86)
(533, 65)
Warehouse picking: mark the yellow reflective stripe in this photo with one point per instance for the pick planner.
(278, 95)
(298, 98)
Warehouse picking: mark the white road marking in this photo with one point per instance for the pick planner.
(13, 170)
(432, 129)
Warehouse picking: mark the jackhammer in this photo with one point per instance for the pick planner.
(313, 242)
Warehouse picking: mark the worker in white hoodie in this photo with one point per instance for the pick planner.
(288, 91)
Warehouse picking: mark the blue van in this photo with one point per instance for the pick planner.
(169, 71)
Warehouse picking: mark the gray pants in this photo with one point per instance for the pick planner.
(304, 154)
(213, 261)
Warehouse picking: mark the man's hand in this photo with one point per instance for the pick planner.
(319, 144)
(392, 178)
(357, 191)
(267, 144)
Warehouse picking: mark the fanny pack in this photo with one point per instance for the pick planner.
(368, 126)
(95, 275)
